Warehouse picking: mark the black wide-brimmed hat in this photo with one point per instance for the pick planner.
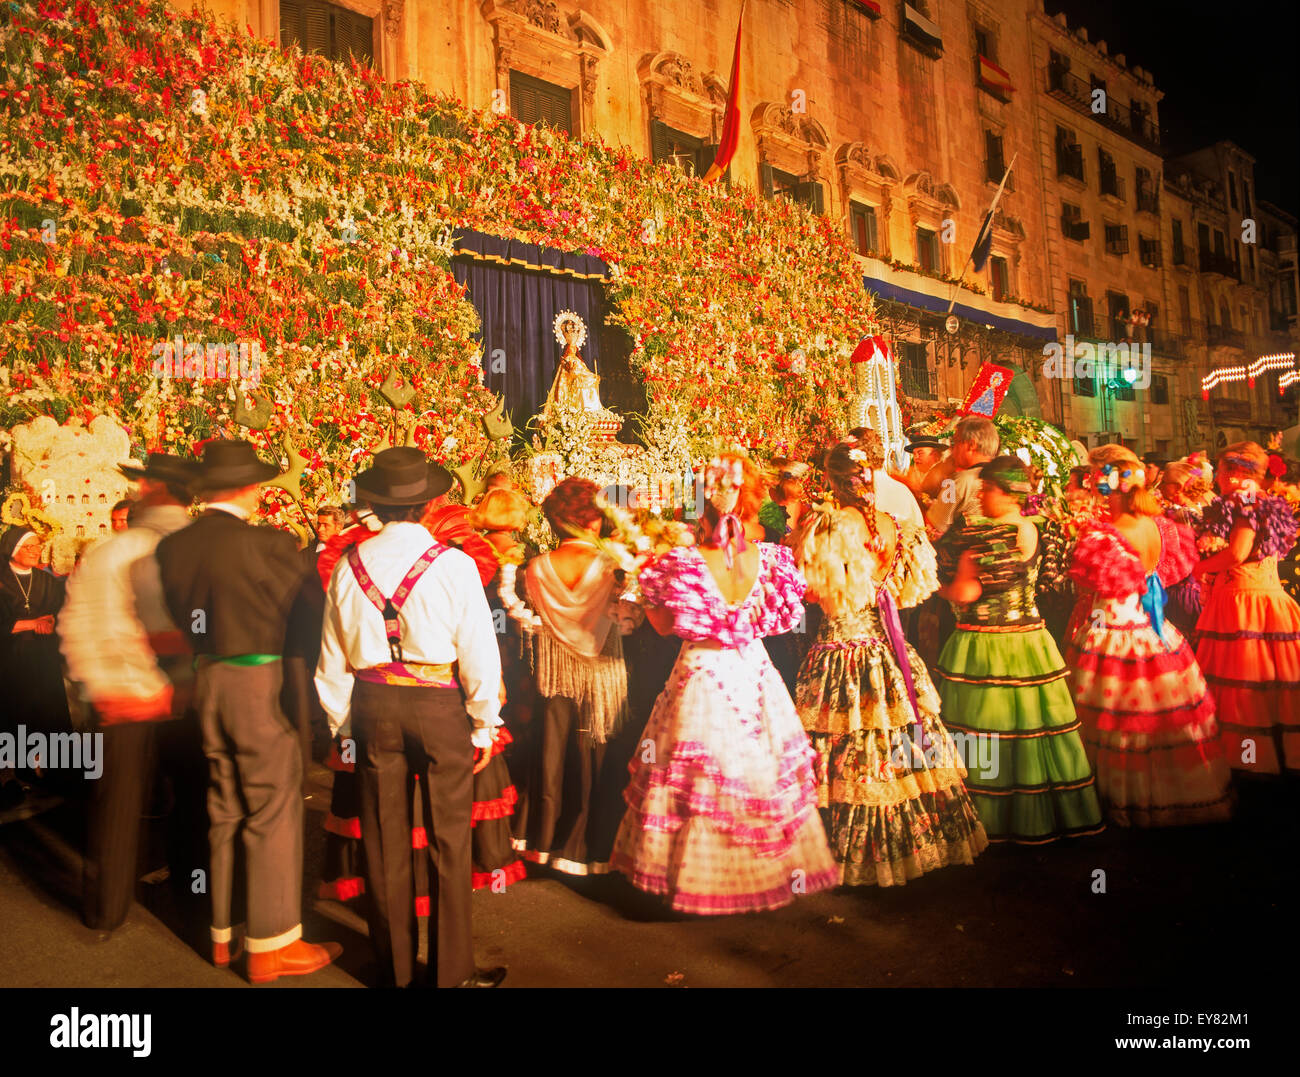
(227, 465)
(925, 443)
(402, 476)
(162, 467)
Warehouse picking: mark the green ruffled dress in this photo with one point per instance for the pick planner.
(1007, 702)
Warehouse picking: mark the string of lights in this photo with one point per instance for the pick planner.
(1284, 361)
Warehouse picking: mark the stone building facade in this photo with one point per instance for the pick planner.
(897, 120)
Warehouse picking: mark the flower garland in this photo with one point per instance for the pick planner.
(170, 181)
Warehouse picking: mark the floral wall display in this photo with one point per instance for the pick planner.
(201, 233)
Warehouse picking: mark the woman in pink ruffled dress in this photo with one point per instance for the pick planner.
(722, 806)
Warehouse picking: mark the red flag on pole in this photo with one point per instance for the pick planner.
(731, 120)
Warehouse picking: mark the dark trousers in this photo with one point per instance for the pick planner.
(133, 754)
(254, 789)
(401, 732)
(301, 703)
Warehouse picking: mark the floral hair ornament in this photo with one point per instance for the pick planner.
(1117, 480)
(722, 485)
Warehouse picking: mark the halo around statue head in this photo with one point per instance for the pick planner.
(570, 316)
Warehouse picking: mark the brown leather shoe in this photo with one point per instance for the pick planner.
(297, 959)
(223, 953)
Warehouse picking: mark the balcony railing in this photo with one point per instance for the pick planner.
(1213, 262)
(1166, 343)
(1148, 201)
(1279, 322)
(1222, 334)
(920, 383)
(1149, 252)
(1132, 124)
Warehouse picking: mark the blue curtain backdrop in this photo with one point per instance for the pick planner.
(518, 289)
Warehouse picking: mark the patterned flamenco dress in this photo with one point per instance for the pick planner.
(721, 806)
(1004, 691)
(1148, 718)
(1249, 640)
(890, 785)
(495, 862)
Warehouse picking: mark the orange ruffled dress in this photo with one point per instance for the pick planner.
(1249, 641)
(1147, 716)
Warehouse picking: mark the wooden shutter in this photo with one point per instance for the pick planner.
(315, 28)
(354, 37)
(660, 143)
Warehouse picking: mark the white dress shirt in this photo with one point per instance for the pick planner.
(228, 506)
(114, 603)
(445, 619)
(896, 499)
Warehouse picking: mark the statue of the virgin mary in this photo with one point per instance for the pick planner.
(576, 388)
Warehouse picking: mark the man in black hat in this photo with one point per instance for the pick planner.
(926, 451)
(401, 611)
(133, 667)
(230, 587)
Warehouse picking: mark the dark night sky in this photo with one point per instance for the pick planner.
(1228, 70)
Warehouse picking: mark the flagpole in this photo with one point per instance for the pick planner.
(986, 226)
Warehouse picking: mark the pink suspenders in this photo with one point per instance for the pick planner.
(389, 607)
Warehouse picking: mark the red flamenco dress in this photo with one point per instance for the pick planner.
(1147, 717)
(495, 862)
(1249, 640)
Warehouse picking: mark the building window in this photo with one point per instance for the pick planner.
(677, 147)
(1149, 251)
(803, 192)
(1159, 389)
(927, 250)
(1069, 155)
(1148, 195)
(914, 374)
(999, 278)
(1250, 258)
(1108, 175)
(862, 221)
(534, 101)
(1080, 309)
(995, 164)
(1073, 226)
(1117, 309)
(327, 29)
(986, 43)
(1232, 189)
(1180, 252)
(1245, 197)
(1185, 308)
(1116, 238)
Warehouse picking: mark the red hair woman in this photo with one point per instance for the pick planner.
(722, 810)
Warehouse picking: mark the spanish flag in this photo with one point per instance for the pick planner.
(731, 121)
(994, 77)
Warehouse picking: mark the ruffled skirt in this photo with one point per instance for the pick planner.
(1006, 699)
(1249, 650)
(1148, 720)
(890, 787)
(721, 806)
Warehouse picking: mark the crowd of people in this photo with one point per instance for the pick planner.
(836, 675)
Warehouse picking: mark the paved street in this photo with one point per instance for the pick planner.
(1181, 908)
